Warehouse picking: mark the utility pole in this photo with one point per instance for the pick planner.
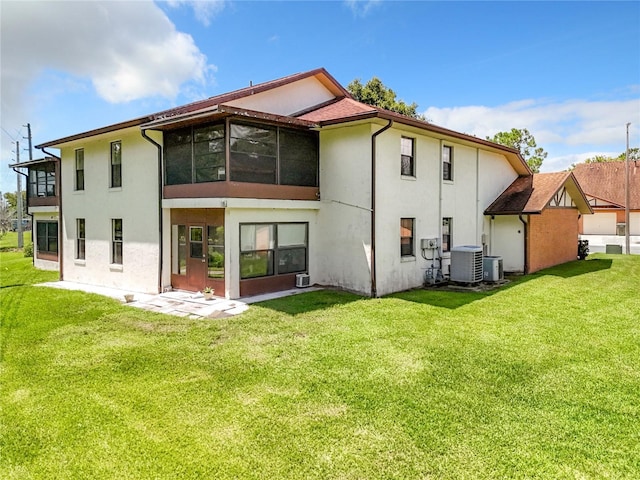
(627, 195)
(19, 199)
(28, 137)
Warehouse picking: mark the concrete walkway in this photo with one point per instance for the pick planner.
(178, 303)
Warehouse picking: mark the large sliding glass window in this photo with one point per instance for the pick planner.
(177, 154)
(209, 153)
(253, 154)
(272, 249)
(298, 158)
(47, 237)
(42, 180)
(257, 154)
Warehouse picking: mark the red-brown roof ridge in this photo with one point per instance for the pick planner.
(606, 181)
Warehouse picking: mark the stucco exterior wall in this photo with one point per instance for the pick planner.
(405, 197)
(553, 238)
(507, 240)
(136, 203)
(344, 220)
(287, 99)
(428, 199)
(634, 222)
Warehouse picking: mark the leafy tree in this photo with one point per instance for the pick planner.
(375, 93)
(634, 154)
(11, 198)
(522, 140)
(6, 214)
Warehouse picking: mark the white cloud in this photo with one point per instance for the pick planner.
(128, 50)
(569, 131)
(124, 50)
(204, 10)
(360, 8)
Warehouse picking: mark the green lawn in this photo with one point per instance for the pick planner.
(540, 379)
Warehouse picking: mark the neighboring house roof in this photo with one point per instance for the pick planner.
(532, 194)
(606, 181)
(342, 109)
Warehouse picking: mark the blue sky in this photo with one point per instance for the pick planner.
(569, 72)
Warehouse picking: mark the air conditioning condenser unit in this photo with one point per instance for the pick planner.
(302, 280)
(492, 270)
(466, 264)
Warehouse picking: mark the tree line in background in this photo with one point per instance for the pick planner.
(375, 93)
(9, 209)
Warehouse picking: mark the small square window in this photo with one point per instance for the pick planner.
(407, 163)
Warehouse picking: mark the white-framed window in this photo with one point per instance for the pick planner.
(268, 249)
(116, 164)
(407, 157)
(79, 169)
(116, 241)
(447, 163)
(80, 238)
(407, 237)
(447, 233)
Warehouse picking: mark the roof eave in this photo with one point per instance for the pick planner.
(92, 133)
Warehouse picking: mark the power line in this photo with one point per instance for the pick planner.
(13, 138)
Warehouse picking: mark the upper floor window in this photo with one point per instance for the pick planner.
(257, 154)
(447, 163)
(406, 237)
(407, 163)
(42, 180)
(79, 176)
(116, 164)
(195, 154)
(447, 225)
(116, 241)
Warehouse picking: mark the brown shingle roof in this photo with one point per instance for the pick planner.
(320, 73)
(343, 108)
(531, 194)
(606, 180)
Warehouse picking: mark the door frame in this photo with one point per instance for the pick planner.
(198, 218)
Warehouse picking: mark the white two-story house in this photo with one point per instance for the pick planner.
(244, 191)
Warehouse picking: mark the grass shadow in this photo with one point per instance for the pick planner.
(311, 301)
(450, 297)
(453, 297)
